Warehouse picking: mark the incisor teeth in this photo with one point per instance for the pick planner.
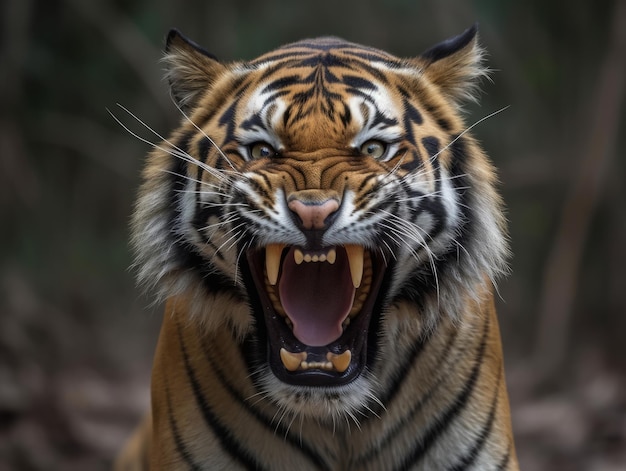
(355, 258)
(292, 361)
(321, 365)
(272, 261)
(299, 256)
(297, 361)
(341, 361)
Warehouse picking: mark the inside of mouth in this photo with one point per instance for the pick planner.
(315, 291)
(316, 310)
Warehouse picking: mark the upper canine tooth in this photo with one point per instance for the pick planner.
(292, 361)
(355, 258)
(272, 261)
(341, 361)
(298, 256)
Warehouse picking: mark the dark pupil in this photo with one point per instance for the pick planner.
(371, 149)
(265, 151)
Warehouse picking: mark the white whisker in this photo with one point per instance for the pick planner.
(469, 128)
(175, 151)
(222, 154)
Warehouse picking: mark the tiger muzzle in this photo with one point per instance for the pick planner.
(317, 307)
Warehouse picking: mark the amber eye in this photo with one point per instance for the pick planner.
(373, 148)
(261, 150)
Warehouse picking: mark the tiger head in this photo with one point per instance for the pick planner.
(318, 201)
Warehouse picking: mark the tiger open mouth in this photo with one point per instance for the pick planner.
(317, 307)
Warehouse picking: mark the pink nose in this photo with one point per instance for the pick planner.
(313, 215)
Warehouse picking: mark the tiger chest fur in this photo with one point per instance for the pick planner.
(326, 234)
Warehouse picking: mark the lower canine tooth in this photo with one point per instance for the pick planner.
(292, 361)
(340, 362)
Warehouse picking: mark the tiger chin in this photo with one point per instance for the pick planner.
(326, 235)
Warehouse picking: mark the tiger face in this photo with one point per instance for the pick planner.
(326, 204)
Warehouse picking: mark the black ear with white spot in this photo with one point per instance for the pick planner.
(190, 69)
(456, 65)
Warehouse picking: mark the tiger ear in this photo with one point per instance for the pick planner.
(456, 65)
(190, 69)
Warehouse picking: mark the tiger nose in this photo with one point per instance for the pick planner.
(313, 214)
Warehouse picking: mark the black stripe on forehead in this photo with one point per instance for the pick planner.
(310, 72)
(312, 76)
(354, 81)
(282, 82)
(327, 52)
(373, 55)
(321, 70)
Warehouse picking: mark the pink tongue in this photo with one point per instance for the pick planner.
(317, 297)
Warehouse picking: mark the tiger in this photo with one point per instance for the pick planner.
(326, 236)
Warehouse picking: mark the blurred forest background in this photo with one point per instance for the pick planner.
(76, 336)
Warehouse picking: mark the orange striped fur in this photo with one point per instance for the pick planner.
(326, 235)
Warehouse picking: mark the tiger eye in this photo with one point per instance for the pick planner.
(373, 148)
(261, 150)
